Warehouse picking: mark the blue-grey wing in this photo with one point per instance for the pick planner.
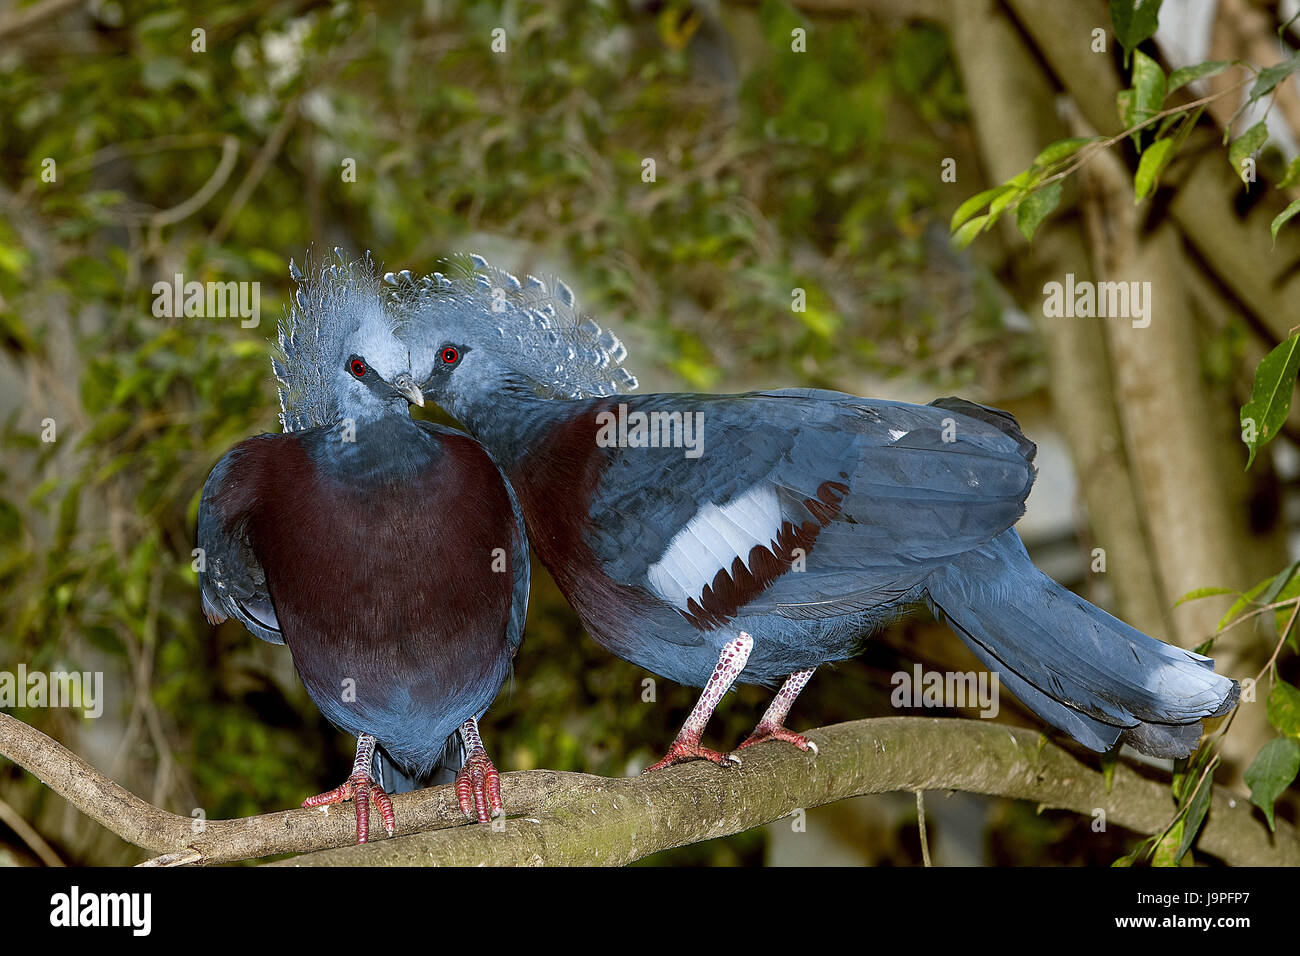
(805, 502)
(522, 567)
(231, 580)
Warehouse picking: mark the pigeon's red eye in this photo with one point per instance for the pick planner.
(450, 356)
(358, 368)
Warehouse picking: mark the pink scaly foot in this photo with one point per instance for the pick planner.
(772, 724)
(360, 788)
(478, 785)
(766, 731)
(686, 747)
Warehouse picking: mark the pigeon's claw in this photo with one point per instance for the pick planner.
(478, 788)
(360, 788)
(766, 731)
(687, 747)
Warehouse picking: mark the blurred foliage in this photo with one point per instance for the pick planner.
(775, 171)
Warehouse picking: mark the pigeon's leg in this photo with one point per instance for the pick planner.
(478, 785)
(359, 788)
(687, 745)
(772, 725)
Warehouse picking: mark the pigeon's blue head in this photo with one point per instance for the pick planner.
(476, 331)
(338, 354)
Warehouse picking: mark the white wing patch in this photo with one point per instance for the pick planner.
(712, 540)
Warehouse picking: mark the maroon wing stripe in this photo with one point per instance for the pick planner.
(733, 588)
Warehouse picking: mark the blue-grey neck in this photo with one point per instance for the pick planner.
(507, 416)
(379, 448)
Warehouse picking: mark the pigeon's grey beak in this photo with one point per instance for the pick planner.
(405, 384)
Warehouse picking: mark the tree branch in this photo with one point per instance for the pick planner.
(206, 841)
(574, 818)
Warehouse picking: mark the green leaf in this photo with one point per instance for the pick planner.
(1128, 859)
(1195, 816)
(1152, 162)
(1282, 615)
(1271, 772)
(1063, 148)
(1270, 77)
(1278, 582)
(1166, 852)
(1284, 709)
(1189, 74)
(1124, 102)
(1284, 590)
(1168, 123)
(1187, 127)
(964, 236)
(1148, 87)
(1282, 218)
(1000, 203)
(1134, 21)
(1242, 602)
(1247, 144)
(974, 205)
(1186, 121)
(1033, 209)
(1270, 401)
(1292, 175)
(1198, 593)
(1179, 779)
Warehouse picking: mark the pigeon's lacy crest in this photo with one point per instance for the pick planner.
(550, 340)
(331, 303)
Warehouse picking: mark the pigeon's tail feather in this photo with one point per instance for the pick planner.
(1077, 667)
(396, 780)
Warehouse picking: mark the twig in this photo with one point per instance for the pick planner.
(27, 833)
(1093, 149)
(261, 165)
(183, 210)
(1277, 649)
(920, 826)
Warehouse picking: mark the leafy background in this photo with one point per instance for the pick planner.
(775, 170)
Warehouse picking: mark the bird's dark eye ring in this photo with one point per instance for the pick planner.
(357, 368)
(450, 356)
